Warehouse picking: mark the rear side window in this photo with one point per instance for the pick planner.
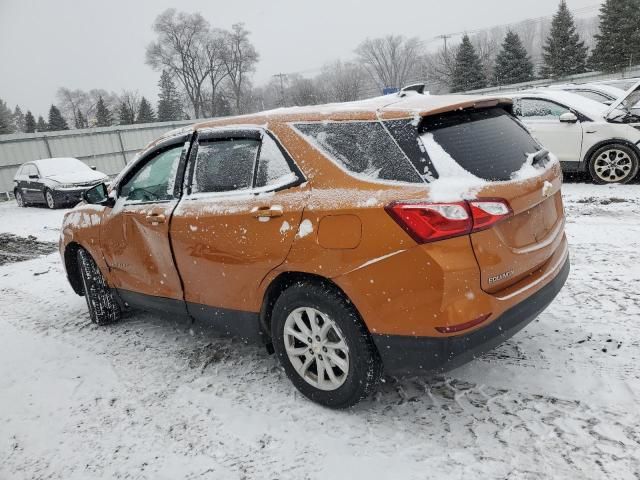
(363, 148)
(224, 166)
(488, 143)
(273, 168)
(538, 108)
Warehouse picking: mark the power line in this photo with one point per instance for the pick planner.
(576, 11)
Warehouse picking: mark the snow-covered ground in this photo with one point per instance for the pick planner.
(148, 398)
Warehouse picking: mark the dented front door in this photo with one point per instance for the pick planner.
(135, 232)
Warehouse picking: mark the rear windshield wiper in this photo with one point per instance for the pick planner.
(539, 156)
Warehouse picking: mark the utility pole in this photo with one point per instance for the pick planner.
(444, 37)
(281, 76)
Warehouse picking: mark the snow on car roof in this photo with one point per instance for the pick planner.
(586, 106)
(52, 166)
(387, 106)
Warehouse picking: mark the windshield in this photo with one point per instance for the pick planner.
(58, 166)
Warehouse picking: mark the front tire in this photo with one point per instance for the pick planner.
(20, 199)
(51, 201)
(613, 163)
(103, 306)
(323, 345)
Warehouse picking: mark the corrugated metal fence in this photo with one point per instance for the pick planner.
(630, 72)
(108, 148)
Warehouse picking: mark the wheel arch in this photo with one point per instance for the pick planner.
(610, 141)
(283, 281)
(71, 266)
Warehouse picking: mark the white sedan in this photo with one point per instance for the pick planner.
(584, 134)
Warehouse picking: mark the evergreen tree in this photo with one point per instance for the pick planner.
(145, 112)
(103, 115)
(169, 104)
(618, 42)
(513, 64)
(467, 71)
(56, 120)
(80, 120)
(18, 119)
(6, 119)
(29, 122)
(563, 52)
(126, 115)
(41, 125)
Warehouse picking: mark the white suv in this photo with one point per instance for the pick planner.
(584, 134)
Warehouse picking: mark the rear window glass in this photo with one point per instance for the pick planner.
(363, 148)
(488, 143)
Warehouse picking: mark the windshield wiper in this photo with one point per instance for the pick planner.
(540, 155)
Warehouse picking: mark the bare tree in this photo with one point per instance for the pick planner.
(302, 91)
(239, 60)
(390, 60)
(439, 66)
(487, 44)
(79, 106)
(344, 82)
(181, 48)
(215, 55)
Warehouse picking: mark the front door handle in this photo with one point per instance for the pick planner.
(156, 218)
(267, 212)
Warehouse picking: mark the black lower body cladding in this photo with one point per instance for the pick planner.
(405, 355)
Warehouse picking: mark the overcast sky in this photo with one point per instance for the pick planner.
(46, 44)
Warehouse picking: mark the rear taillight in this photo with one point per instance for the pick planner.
(429, 222)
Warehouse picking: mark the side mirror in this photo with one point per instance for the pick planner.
(92, 167)
(568, 117)
(98, 195)
(34, 176)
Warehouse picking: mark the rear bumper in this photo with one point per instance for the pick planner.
(407, 355)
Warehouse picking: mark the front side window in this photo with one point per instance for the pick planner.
(273, 168)
(225, 165)
(537, 108)
(155, 181)
(363, 148)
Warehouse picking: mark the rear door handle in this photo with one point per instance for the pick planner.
(267, 212)
(156, 218)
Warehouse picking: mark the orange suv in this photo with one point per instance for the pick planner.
(405, 234)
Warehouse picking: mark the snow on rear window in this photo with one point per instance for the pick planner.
(363, 148)
(488, 144)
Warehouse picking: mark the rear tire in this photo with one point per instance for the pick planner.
(50, 200)
(613, 163)
(103, 306)
(335, 366)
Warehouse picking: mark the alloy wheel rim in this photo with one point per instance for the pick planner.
(49, 199)
(613, 165)
(316, 348)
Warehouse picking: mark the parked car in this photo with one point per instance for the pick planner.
(407, 233)
(54, 182)
(586, 135)
(599, 92)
